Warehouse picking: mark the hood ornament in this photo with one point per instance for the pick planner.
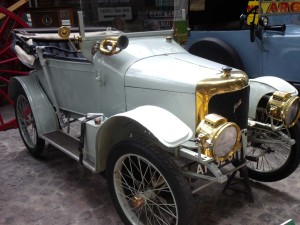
(226, 71)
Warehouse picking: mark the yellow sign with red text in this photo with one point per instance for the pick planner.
(278, 7)
(267, 7)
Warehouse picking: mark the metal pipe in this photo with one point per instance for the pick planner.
(81, 24)
(253, 123)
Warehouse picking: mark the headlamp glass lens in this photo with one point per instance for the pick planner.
(225, 142)
(292, 113)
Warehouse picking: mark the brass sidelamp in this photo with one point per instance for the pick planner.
(284, 107)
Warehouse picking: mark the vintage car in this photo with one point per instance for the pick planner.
(156, 119)
(259, 37)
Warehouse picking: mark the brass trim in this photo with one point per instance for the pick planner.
(218, 84)
(279, 105)
(113, 45)
(64, 32)
(209, 131)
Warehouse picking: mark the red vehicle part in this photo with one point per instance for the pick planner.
(9, 62)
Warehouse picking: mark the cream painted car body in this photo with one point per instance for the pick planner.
(153, 70)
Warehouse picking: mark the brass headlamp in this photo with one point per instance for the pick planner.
(218, 138)
(284, 107)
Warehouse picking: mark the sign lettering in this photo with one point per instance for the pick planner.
(109, 13)
(277, 7)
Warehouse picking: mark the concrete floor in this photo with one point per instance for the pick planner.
(57, 190)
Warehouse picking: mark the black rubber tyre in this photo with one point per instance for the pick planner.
(218, 51)
(146, 187)
(27, 125)
(277, 160)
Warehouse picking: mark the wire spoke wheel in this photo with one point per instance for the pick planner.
(143, 192)
(27, 125)
(146, 187)
(26, 121)
(276, 157)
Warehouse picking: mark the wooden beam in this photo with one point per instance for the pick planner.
(15, 6)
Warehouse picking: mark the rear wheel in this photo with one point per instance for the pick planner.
(277, 159)
(146, 187)
(27, 125)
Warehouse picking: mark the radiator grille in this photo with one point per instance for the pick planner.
(232, 105)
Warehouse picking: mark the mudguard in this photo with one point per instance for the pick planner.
(154, 123)
(265, 85)
(43, 112)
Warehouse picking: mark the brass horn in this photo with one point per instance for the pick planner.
(113, 44)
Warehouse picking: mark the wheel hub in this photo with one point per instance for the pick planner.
(138, 201)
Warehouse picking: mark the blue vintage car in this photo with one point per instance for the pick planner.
(266, 43)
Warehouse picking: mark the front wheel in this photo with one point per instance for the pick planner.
(146, 186)
(276, 158)
(27, 125)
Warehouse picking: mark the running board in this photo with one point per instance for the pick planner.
(68, 145)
